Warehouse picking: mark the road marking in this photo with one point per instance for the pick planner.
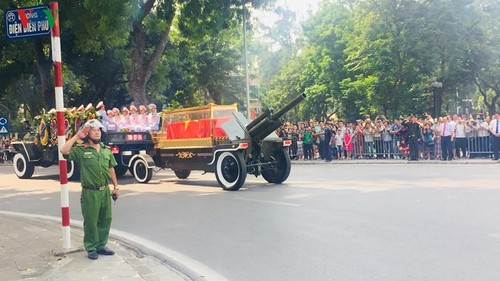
(268, 202)
(298, 196)
(494, 235)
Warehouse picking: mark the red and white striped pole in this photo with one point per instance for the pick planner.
(61, 134)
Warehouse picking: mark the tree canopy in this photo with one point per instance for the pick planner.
(351, 58)
(395, 57)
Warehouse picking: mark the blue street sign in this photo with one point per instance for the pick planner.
(27, 22)
(4, 126)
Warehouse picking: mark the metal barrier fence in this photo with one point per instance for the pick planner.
(473, 146)
(469, 147)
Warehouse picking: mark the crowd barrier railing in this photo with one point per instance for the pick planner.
(473, 146)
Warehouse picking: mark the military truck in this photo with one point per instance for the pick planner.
(39, 147)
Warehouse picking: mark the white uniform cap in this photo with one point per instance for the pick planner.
(99, 105)
(94, 123)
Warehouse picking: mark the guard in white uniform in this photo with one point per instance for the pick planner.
(108, 122)
(153, 118)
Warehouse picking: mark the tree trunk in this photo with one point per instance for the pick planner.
(215, 94)
(491, 106)
(43, 67)
(142, 67)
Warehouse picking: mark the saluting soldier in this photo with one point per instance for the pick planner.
(108, 122)
(96, 163)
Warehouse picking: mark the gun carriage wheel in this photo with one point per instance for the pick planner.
(231, 170)
(279, 169)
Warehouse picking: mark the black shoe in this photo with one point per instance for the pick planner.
(105, 251)
(92, 255)
(495, 159)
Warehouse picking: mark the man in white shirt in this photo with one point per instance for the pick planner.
(447, 131)
(460, 138)
(495, 135)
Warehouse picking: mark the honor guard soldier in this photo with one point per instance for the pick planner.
(153, 118)
(108, 122)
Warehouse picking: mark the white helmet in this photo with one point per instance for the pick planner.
(94, 123)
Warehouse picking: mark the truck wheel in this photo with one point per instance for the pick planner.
(182, 174)
(72, 170)
(279, 171)
(142, 173)
(231, 170)
(23, 168)
(120, 170)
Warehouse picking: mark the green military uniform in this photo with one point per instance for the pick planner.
(95, 199)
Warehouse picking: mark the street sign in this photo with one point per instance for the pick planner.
(28, 22)
(4, 126)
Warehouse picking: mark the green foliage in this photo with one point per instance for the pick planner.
(353, 58)
(394, 57)
(97, 26)
(200, 60)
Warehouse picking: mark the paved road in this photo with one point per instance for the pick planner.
(328, 222)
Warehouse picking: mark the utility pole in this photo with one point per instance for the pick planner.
(246, 61)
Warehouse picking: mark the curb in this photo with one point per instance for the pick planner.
(176, 261)
(395, 162)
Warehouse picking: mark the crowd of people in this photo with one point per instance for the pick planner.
(129, 119)
(446, 138)
(6, 150)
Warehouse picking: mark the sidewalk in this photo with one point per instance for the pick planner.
(461, 161)
(31, 249)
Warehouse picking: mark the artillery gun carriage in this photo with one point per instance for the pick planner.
(218, 139)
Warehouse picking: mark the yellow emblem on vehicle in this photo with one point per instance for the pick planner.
(185, 154)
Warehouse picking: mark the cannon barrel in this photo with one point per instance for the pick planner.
(269, 121)
(259, 118)
(289, 106)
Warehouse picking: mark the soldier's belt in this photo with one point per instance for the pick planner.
(100, 188)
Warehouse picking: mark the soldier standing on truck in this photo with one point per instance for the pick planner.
(108, 122)
(96, 163)
(153, 118)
